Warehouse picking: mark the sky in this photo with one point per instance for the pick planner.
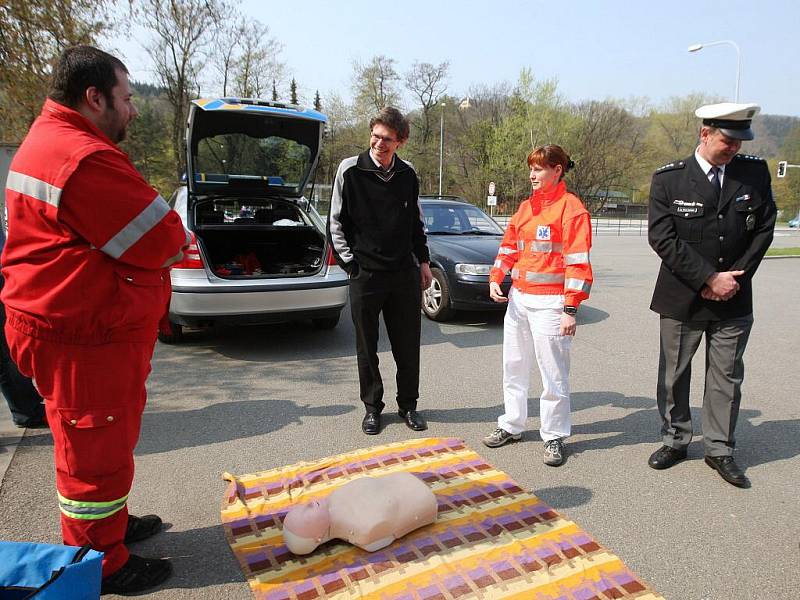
(595, 50)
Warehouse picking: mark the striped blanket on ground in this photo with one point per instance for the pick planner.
(492, 539)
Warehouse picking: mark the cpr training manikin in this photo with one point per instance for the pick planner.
(369, 512)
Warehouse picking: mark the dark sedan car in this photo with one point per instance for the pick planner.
(463, 241)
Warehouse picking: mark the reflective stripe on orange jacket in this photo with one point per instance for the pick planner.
(546, 247)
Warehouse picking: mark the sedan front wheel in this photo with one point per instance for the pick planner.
(436, 299)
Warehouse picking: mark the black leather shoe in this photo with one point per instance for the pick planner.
(137, 575)
(729, 470)
(371, 425)
(666, 457)
(141, 528)
(413, 420)
(34, 423)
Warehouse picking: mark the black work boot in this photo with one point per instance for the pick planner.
(141, 528)
(137, 575)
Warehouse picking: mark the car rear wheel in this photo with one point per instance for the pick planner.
(325, 322)
(170, 333)
(436, 299)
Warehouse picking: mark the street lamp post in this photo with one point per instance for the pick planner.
(698, 47)
(441, 146)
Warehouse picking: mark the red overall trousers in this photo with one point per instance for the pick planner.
(94, 398)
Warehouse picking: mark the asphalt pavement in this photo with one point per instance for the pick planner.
(245, 400)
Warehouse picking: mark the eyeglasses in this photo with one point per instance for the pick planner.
(384, 139)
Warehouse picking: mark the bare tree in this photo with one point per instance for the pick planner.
(182, 30)
(227, 47)
(427, 82)
(258, 65)
(375, 84)
(607, 143)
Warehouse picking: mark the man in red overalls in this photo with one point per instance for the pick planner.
(89, 244)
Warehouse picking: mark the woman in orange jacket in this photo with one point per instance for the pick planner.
(546, 249)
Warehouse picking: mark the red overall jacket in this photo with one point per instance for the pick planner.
(546, 247)
(87, 237)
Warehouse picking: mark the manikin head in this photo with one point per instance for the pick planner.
(307, 526)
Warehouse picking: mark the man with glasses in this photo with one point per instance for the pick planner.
(377, 234)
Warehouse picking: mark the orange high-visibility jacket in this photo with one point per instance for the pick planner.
(546, 247)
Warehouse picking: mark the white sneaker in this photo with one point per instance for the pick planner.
(554, 452)
(499, 437)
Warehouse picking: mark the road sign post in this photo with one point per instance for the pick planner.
(491, 199)
(491, 202)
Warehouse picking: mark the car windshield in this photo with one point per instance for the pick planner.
(457, 219)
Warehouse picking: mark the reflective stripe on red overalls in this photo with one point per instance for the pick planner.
(84, 291)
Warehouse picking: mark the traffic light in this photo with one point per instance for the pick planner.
(782, 168)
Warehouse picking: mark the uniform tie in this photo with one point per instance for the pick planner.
(715, 179)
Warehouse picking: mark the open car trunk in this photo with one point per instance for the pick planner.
(260, 239)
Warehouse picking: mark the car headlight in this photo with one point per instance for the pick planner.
(467, 269)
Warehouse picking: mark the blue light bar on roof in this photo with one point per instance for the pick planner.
(255, 105)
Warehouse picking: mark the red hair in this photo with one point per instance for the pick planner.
(550, 156)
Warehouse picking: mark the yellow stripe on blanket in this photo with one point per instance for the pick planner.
(492, 539)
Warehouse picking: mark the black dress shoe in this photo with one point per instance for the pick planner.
(371, 425)
(729, 470)
(666, 457)
(141, 528)
(413, 420)
(137, 575)
(34, 423)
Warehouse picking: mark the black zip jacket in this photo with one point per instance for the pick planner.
(375, 221)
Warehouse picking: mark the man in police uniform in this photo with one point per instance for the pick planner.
(711, 220)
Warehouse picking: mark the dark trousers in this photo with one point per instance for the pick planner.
(23, 400)
(398, 296)
(725, 345)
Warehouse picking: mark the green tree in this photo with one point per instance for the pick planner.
(147, 145)
(32, 35)
(293, 91)
(787, 189)
(317, 101)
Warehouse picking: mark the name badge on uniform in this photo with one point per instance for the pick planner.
(687, 208)
(750, 222)
(543, 232)
(742, 198)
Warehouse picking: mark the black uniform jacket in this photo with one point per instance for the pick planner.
(696, 234)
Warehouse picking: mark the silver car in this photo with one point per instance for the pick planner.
(259, 252)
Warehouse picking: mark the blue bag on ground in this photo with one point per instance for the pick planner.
(49, 572)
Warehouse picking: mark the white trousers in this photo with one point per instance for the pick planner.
(529, 332)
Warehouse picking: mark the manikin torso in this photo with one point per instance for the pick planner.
(369, 512)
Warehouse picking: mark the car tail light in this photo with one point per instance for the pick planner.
(191, 256)
(331, 260)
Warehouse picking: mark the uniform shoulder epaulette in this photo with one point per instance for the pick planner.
(678, 164)
(751, 157)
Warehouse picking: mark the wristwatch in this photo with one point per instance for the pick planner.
(571, 310)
